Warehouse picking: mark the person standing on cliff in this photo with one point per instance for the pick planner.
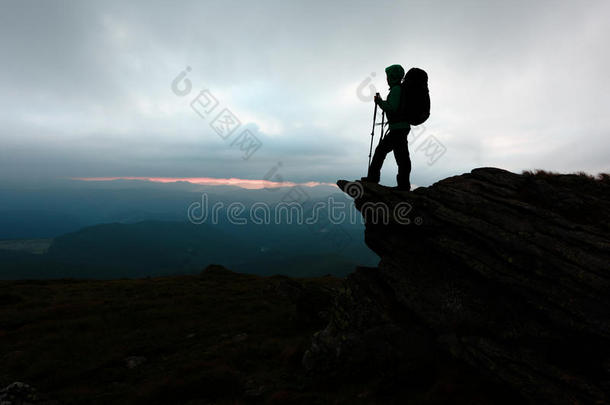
(396, 139)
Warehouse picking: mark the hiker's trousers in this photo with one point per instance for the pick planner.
(395, 140)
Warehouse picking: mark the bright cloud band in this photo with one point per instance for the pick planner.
(211, 181)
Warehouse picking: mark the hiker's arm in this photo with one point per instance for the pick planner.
(393, 102)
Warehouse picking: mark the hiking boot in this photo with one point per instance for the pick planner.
(370, 180)
(403, 187)
(403, 182)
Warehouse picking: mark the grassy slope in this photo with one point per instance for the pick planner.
(70, 339)
(221, 337)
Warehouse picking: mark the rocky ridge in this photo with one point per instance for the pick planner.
(509, 273)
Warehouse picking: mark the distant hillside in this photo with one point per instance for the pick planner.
(54, 209)
(146, 248)
(153, 248)
(132, 228)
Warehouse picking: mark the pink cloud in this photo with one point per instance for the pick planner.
(211, 181)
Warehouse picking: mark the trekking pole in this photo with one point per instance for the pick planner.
(373, 132)
(382, 126)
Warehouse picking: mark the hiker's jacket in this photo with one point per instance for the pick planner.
(391, 106)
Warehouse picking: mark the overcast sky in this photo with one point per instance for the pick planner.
(86, 87)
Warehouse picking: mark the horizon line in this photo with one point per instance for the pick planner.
(213, 181)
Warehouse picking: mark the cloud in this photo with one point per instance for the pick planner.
(210, 181)
(85, 87)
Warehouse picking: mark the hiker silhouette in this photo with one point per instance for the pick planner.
(396, 138)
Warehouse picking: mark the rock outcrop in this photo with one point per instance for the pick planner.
(508, 273)
(19, 393)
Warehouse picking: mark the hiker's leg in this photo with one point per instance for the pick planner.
(384, 147)
(403, 160)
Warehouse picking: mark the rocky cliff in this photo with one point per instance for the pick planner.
(508, 273)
